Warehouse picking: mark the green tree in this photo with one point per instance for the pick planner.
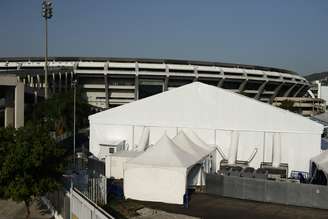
(32, 166)
(57, 112)
(288, 105)
(6, 141)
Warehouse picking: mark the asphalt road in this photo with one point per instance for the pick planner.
(210, 206)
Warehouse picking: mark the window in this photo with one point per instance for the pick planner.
(111, 150)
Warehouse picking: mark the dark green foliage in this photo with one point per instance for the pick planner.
(6, 142)
(57, 112)
(32, 163)
(316, 76)
(288, 105)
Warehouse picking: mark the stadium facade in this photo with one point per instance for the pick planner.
(109, 82)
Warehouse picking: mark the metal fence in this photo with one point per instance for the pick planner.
(306, 195)
(84, 208)
(97, 190)
(59, 203)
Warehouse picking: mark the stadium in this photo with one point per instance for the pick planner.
(109, 82)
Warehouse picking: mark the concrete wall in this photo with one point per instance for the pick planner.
(305, 195)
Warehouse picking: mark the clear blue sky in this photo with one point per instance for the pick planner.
(291, 34)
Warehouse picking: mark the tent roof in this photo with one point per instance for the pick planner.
(321, 161)
(190, 147)
(197, 140)
(126, 154)
(199, 105)
(164, 153)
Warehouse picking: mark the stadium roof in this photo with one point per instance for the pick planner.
(148, 60)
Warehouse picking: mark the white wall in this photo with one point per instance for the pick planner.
(155, 184)
(324, 93)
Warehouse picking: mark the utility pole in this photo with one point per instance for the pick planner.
(74, 83)
(47, 14)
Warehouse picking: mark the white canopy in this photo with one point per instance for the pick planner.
(215, 115)
(159, 174)
(189, 146)
(165, 153)
(114, 163)
(321, 162)
(198, 105)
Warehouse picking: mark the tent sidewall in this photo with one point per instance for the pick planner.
(155, 183)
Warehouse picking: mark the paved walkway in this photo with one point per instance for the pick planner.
(209, 206)
(13, 210)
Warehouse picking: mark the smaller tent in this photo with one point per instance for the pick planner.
(115, 163)
(196, 176)
(186, 144)
(159, 174)
(320, 163)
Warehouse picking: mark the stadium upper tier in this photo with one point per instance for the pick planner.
(115, 81)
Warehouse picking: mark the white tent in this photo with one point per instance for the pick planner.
(214, 114)
(114, 163)
(186, 144)
(196, 176)
(321, 162)
(159, 174)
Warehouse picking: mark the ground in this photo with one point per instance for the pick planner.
(13, 210)
(210, 206)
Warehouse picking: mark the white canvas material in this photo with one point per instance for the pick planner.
(214, 116)
(321, 161)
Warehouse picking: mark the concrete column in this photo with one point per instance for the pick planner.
(106, 91)
(276, 91)
(136, 88)
(60, 83)
(19, 105)
(35, 93)
(9, 107)
(38, 81)
(196, 74)
(72, 77)
(298, 91)
(242, 86)
(53, 83)
(166, 83)
(9, 116)
(220, 84)
(286, 94)
(260, 90)
(32, 81)
(66, 82)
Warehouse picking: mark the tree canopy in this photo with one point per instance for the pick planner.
(57, 112)
(32, 163)
(288, 105)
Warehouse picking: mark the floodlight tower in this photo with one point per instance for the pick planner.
(47, 14)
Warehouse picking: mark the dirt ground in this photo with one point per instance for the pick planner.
(210, 206)
(12, 210)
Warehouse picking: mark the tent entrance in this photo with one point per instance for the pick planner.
(196, 177)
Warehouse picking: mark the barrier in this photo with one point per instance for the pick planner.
(58, 203)
(84, 208)
(305, 195)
